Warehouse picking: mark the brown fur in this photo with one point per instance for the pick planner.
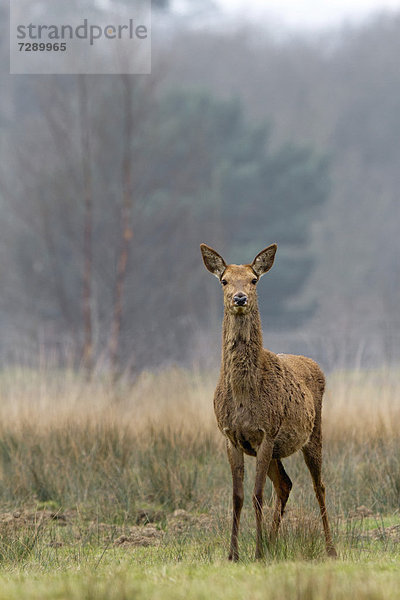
(267, 405)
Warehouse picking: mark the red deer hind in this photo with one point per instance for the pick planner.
(267, 405)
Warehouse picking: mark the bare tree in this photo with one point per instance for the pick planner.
(126, 220)
(136, 107)
(87, 353)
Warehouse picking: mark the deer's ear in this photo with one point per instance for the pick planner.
(264, 260)
(213, 261)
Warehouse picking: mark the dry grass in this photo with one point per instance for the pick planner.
(359, 404)
(154, 444)
(362, 405)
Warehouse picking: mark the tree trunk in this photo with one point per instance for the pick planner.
(87, 351)
(126, 227)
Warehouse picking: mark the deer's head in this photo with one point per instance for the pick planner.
(239, 282)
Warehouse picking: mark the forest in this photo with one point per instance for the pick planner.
(110, 183)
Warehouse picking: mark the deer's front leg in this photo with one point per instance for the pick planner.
(264, 456)
(237, 467)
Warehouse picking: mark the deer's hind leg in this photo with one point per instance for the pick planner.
(313, 457)
(236, 461)
(282, 485)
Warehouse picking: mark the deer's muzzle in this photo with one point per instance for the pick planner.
(240, 299)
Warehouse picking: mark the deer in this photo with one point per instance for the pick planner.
(267, 405)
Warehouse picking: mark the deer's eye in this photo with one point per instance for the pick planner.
(254, 281)
(224, 282)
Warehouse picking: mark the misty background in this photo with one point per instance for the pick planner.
(245, 134)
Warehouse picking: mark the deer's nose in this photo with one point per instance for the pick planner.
(240, 299)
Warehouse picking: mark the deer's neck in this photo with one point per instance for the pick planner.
(241, 351)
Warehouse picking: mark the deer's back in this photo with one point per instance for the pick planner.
(305, 371)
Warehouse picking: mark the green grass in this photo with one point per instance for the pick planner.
(186, 581)
(187, 569)
(73, 557)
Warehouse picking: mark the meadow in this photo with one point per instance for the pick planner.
(123, 491)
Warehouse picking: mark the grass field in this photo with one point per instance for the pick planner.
(125, 492)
